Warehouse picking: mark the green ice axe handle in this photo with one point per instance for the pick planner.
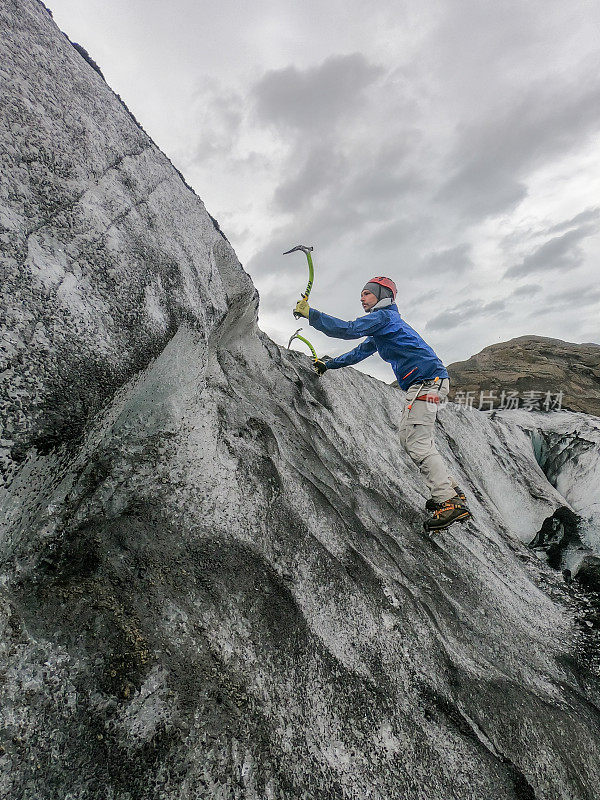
(302, 339)
(312, 349)
(311, 275)
(311, 270)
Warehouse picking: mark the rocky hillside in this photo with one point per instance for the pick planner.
(526, 369)
(213, 577)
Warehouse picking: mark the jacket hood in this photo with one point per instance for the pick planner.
(386, 302)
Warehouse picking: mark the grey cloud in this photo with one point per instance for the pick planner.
(384, 173)
(334, 182)
(527, 289)
(388, 235)
(452, 317)
(316, 98)
(581, 296)
(469, 311)
(561, 252)
(589, 215)
(455, 260)
(494, 305)
(446, 320)
(467, 304)
(330, 220)
(572, 300)
(495, 157)
(375, 179)
(482, 190)
(327, 223)
(377, 185)
(424, 297)
(322, 168)
(219, 119)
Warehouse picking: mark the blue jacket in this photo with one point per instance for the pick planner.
(412, 359)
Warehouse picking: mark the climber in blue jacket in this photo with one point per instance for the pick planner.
(419, 372)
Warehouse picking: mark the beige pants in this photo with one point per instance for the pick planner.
(417, 436)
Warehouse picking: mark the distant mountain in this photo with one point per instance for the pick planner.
(530, 369)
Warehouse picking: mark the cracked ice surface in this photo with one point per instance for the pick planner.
(567, 442)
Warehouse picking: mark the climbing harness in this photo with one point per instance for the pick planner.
(429, 398)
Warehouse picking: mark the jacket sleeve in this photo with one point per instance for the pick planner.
(332, 326)
(364, 350)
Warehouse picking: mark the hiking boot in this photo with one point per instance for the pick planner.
(446, 513)
(431, 504)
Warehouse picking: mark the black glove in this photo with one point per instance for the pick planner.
(319, 366)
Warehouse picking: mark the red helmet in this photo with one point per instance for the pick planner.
(388, 283)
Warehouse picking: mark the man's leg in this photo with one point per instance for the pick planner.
(421, 448)
(417, 436)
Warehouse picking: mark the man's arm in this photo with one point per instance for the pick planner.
(338, 328)
(364, 350)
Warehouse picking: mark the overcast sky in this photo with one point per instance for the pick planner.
(453, 146)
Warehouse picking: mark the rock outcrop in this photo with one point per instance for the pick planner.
(531, 364)
(213, 578)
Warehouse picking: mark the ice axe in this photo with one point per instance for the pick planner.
(311, 274)
(302, 339)
(318, 364)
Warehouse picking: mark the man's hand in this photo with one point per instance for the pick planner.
(319, 366)
(302, 308)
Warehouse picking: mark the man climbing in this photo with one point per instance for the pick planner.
(419, 372)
